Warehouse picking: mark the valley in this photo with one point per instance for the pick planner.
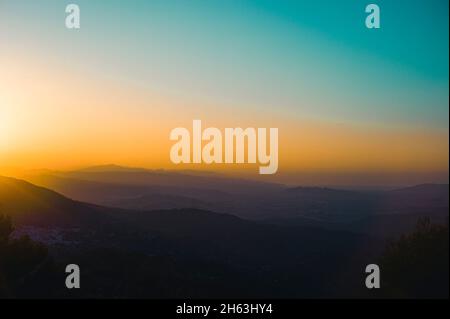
(251, 239)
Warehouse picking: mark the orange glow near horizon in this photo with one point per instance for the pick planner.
(63, 120)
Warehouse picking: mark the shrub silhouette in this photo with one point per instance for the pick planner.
(416, 265)
(20, 260)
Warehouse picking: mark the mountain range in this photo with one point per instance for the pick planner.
(201, 231)
(145, 190)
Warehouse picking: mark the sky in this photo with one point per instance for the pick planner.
(348, 101)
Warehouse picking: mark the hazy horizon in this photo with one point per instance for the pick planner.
(345, 180)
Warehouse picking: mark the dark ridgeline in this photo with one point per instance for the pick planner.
(317, 247)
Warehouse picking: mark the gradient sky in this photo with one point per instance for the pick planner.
(347, 100)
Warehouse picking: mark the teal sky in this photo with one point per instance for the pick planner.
(303, 59)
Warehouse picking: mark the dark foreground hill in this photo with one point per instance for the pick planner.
(187, 252)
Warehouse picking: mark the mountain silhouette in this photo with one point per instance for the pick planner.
(251, 258)
(29, 204)
(328, 208)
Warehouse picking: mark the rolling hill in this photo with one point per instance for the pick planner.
(203, 249)
(29, 204)
(328, 208)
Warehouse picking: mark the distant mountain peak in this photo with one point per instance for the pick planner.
(424, 187)
(109, 168)
(317, 189)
